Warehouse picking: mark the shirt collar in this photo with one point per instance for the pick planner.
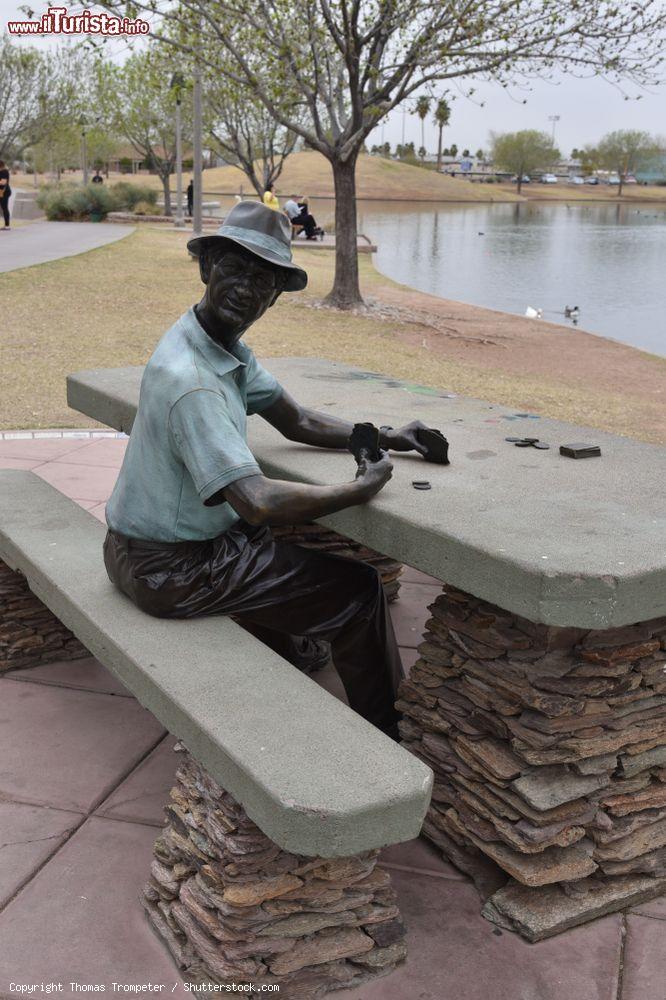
(221, 360)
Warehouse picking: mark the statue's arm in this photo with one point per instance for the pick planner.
(323, 430)
(259, 500)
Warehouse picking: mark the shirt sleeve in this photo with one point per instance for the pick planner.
(208, 443)
(262, 387)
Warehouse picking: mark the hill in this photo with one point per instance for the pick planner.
(310, 173)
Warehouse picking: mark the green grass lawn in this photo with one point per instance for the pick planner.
(109, 307)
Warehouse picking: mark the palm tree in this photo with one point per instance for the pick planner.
(442, 116)
(422, 108)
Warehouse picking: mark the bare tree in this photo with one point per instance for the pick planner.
(138, 102)
(247, 134)
(352, 61)
(35, 88)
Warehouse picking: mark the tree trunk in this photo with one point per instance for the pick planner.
(439, 149)
(167, 195)
(346, 292)
(620, 185)
(520, 183)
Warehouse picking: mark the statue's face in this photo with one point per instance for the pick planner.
(239, 289)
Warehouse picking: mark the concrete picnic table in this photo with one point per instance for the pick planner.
(539, 695)
(565, 542)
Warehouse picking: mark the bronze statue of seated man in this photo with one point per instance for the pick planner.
(189, 518)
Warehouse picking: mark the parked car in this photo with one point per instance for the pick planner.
(630, 179)
(576, 180)
(549, 179)
(613, 179)
(525, 180)
(591, 180)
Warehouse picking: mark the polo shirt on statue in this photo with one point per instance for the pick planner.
(189, 438)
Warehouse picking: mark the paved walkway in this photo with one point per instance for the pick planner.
(85, 772)
(40, 242)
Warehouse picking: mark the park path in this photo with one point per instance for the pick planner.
(40, 242)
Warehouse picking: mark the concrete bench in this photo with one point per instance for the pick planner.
(277, 764)
(539, 698)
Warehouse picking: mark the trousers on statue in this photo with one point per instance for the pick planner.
(275, 590)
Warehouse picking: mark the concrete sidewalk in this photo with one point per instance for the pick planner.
(40, 242)
(86, 771)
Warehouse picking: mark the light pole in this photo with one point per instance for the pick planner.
(554, 119)
(177, 84)
(84, 149)
(196, 167)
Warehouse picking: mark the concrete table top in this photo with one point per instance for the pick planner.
(566, 542)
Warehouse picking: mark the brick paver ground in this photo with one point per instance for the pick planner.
(85, 771)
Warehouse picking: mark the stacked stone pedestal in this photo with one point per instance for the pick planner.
(316, 536)
(549, 752)
(29, 633)
(233, 907)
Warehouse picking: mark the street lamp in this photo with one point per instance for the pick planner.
(196, 154)
(554, 119)
(84, 149)
(177, 84)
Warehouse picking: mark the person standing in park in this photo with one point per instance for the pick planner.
(5, 193)
(270, 198)
(190, 197)
(189, 518)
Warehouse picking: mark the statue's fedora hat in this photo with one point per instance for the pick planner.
(261, 230)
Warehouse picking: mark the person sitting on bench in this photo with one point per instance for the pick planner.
(189, 518)
(299, 215)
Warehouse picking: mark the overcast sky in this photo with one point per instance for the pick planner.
(586, 108)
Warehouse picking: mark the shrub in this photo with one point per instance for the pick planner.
(53, 199)
(71, 202)
(145, 208)
(127, 196)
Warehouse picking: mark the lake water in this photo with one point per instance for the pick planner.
(609, 260)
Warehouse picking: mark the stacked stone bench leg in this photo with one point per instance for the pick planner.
(549, 752)
(29, 633)
(322, 539)
(232, 906)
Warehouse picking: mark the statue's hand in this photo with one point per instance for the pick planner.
(373, 476)
(404, 438)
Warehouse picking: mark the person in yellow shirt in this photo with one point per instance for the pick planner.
(270, 198)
